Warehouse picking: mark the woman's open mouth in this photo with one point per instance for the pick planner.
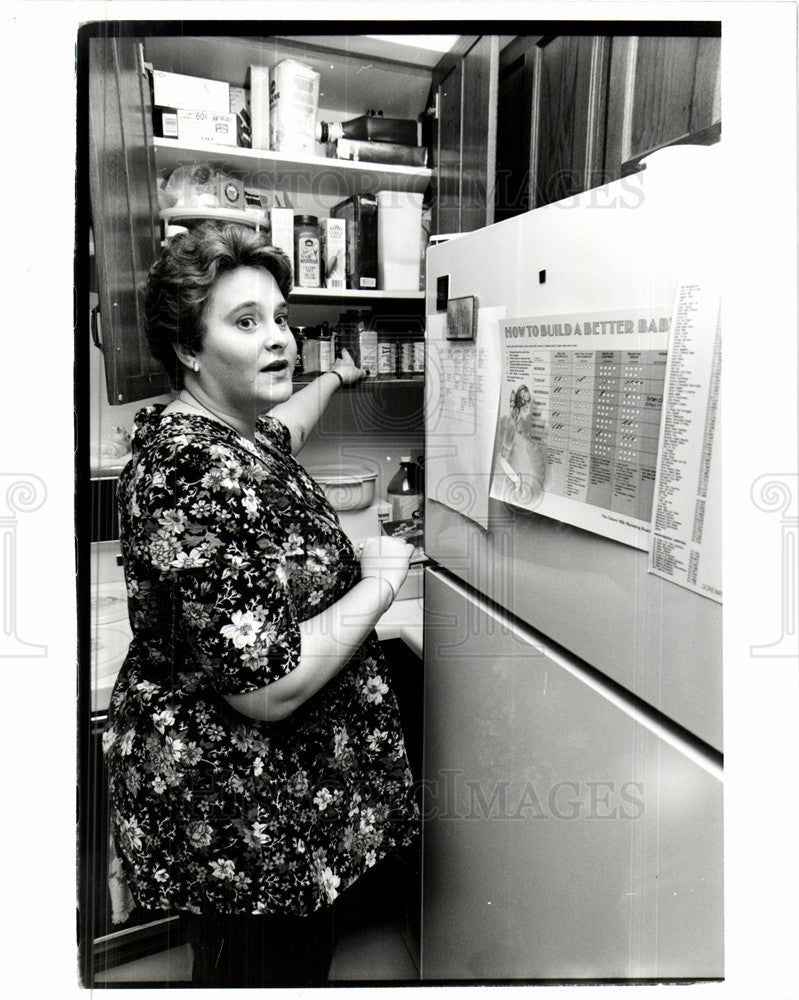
(276, 367)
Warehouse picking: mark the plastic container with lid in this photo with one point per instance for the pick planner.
(307, 257)
(347, 487)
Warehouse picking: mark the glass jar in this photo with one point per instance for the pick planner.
(307, 259)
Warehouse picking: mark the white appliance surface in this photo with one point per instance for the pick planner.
(568, 835)
(626, 245)
(560, 675)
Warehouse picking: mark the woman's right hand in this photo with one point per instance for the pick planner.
(386, 558)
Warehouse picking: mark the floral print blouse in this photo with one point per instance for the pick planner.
(228, 545)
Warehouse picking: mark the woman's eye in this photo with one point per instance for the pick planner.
(281, 320)
(246, 323)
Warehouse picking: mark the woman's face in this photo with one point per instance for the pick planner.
(523, 413)
(248, 351)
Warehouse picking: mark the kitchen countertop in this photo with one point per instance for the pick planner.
(403, 620)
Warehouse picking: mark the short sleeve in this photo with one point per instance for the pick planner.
(275, 432)
(211, 537)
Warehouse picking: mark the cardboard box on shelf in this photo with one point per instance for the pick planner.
(333, 239)
(360, 214)
(195, 126)
(194, 93)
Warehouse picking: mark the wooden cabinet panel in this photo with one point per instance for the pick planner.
(661, 91)
(479, 134)
(467, 137)
(125, 213)
(448, 176)
(518, 64)
(674, 91)
(563, 100)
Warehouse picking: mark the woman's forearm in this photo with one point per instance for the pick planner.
(328, 641)
(301, 412)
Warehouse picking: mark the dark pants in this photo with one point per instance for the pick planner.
(244, 950)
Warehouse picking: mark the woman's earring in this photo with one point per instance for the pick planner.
(195, 366)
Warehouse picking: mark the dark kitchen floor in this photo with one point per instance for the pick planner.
(387, 952)
(377, 941)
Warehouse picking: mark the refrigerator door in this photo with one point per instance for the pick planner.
(626, 245)
(568, 834)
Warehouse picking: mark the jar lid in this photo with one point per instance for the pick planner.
(306, 220)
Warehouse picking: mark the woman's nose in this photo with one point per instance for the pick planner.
(277, 336)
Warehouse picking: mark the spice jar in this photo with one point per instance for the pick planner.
(307, 266)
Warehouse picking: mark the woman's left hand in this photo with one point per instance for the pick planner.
(347, 368)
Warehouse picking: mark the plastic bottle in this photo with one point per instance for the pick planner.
(403, 492)
(326, 347)
(299, 339)
(372, 126)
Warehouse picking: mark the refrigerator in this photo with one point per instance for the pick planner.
(572, 708)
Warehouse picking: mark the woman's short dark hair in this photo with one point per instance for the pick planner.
(519, 398)
(182, 279)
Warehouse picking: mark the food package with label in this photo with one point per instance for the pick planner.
(360, 214)
(293, 104)
(353, 335)
(333, 237)
(176, 90)
(191, 126)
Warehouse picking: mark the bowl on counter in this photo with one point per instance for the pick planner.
(347, 487)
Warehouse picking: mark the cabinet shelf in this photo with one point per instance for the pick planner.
(343, 295)
(263, 168)
(364, 384)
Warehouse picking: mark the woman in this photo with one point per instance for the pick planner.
(256, 764)
(521, 453)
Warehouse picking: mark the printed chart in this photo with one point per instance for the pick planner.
(579, 420)
(603, 425)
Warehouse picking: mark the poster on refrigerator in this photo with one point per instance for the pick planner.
(461, 387)
(686, 520)
(579, 418)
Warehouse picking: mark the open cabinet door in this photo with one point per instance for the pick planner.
(124, 212)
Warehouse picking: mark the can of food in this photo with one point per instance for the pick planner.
(418, 357)
(387, 358)
(406, 358)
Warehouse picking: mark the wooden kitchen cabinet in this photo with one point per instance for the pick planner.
(127, 163)
(465, 148)
(661, 90)
(576, 111)
(124, 208)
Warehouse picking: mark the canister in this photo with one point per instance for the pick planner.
(307, 259)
